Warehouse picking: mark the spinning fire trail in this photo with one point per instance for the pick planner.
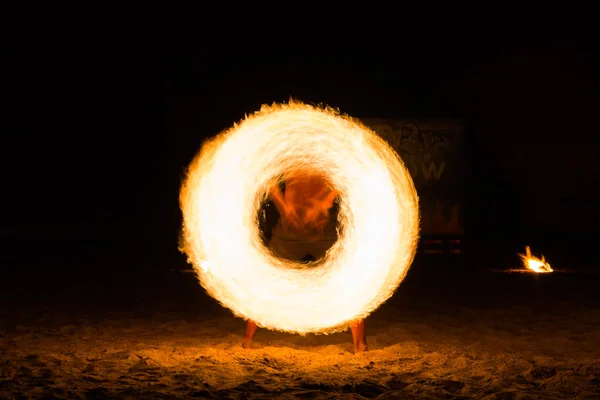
(378, 219)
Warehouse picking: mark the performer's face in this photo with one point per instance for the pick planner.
(307, 194)
(305, 189)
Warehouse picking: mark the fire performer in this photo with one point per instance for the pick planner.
(304, 232)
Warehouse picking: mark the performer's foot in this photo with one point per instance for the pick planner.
(360, 347)
(247, 343)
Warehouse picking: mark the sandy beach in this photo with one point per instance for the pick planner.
(151, 332)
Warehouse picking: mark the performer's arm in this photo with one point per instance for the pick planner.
(327, 201)
(278, 199)
(320, 207)
(287, 214)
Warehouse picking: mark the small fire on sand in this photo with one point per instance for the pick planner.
(535, 264)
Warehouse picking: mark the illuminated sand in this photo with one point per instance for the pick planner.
(497, 336)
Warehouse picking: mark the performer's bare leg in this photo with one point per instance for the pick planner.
(359, 336)
(250, 333)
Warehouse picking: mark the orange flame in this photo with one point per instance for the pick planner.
(533, 263)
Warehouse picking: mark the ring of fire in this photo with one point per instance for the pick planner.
(378, 219)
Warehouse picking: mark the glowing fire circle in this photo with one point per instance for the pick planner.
(378, 219)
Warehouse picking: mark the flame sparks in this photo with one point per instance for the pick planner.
(533, 263)
(378, 219)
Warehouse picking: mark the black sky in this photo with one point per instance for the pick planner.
(110, 133)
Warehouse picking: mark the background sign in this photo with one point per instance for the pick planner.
(433, 151)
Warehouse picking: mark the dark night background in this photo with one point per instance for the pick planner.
(99, 141)
(96, 301)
